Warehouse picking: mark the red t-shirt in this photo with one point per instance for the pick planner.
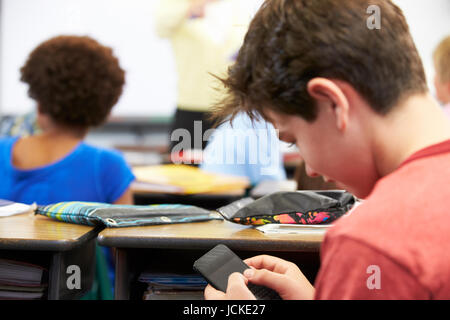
(396, 244)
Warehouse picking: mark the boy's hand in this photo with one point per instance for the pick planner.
(236, 289)
(278, 274)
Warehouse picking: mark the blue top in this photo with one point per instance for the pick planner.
(86, 174)
(245, 148)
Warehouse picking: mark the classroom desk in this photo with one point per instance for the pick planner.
(210, 201)
(174, 248)
(53, 245)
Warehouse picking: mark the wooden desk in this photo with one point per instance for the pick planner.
(210, 201)
(53, 245)
(174, 248)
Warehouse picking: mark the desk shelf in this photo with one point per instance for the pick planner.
(174, 248)
(53, 245)
(130, 263)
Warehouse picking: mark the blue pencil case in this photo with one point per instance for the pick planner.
(117, 216)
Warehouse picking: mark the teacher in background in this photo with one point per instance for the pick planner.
(205, 36)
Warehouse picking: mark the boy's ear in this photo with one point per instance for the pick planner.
(329, 94)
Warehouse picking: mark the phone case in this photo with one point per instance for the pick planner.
(217, 265)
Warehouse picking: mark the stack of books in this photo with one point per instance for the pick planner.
(162, 286)
(21, 280)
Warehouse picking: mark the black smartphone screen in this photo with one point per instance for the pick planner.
(218, 264)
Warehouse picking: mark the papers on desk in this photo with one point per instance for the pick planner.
(10, 208)
(274, 228)
(173, 178)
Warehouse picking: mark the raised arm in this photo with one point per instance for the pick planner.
(170, 14)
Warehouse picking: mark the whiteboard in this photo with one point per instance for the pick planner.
(127, 26)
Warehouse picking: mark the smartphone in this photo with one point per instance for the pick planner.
(219, 263)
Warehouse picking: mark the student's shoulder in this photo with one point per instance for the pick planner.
(105, 155)
(415, 192)
(100, 150)
(403, 207)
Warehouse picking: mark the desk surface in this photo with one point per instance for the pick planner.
(210, 201)
(204, 235)
(30, 232)
(143, 188)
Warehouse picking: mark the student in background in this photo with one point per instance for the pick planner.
(245, 148)
(205, 35)
(441, 59)
(355, 101)
(75, 82)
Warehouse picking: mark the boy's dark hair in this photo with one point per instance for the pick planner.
(289, 42)
(74, 79)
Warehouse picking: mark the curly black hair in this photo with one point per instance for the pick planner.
(74, 79)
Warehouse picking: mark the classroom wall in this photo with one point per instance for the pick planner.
(429, 23)
(128, 27)
(125, 25)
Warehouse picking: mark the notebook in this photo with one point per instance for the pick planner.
(17, 273)
(21, 280)
(168, 286)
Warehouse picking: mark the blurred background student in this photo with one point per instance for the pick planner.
(75, 81)
(245, 148)
(205, 35)
(441, 59)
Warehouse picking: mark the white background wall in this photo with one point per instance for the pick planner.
(128, 27)
(125, 25)
(429, 22)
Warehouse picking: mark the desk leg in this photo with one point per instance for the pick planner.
(122, 281)
(72, 283)
(54, 276)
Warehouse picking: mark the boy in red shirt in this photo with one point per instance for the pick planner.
(343, 80)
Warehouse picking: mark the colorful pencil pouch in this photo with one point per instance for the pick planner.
(298, 207)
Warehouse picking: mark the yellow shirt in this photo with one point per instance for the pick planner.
(202, 46)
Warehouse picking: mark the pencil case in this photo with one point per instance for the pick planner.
(116, 216)
(297, 207)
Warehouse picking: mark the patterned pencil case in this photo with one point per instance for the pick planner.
(298, 207)
(116, 216)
